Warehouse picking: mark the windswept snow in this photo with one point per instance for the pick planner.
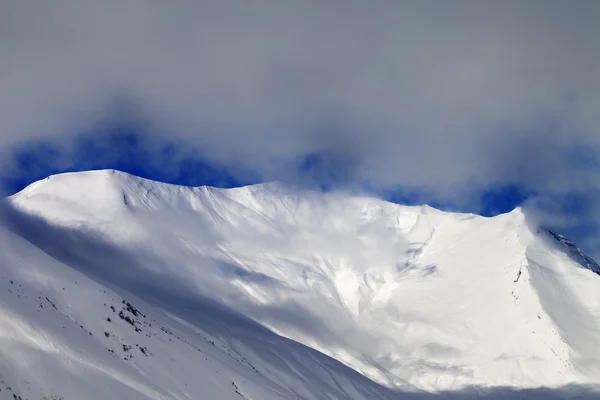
(224, 293)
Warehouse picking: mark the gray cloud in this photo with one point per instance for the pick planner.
(445, 96)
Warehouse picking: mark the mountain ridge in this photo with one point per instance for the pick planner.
(270, 186)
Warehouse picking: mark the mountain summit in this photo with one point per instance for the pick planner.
(113, 286)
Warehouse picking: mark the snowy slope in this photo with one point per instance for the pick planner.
(65, 335)
(411, 297)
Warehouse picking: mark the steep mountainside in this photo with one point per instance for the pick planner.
(120, 287)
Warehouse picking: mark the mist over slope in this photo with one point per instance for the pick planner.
(151, 290)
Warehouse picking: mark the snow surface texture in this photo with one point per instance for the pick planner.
(116, 287)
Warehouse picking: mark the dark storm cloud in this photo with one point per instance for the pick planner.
(449, 97)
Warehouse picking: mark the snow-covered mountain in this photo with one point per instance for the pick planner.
(116, 287)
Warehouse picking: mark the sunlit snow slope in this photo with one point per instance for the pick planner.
(410, 297)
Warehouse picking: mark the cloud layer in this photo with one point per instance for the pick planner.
(447, 97)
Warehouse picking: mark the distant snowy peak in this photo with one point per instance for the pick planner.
(407, 296)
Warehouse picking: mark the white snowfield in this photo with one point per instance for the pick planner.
(117, 287)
